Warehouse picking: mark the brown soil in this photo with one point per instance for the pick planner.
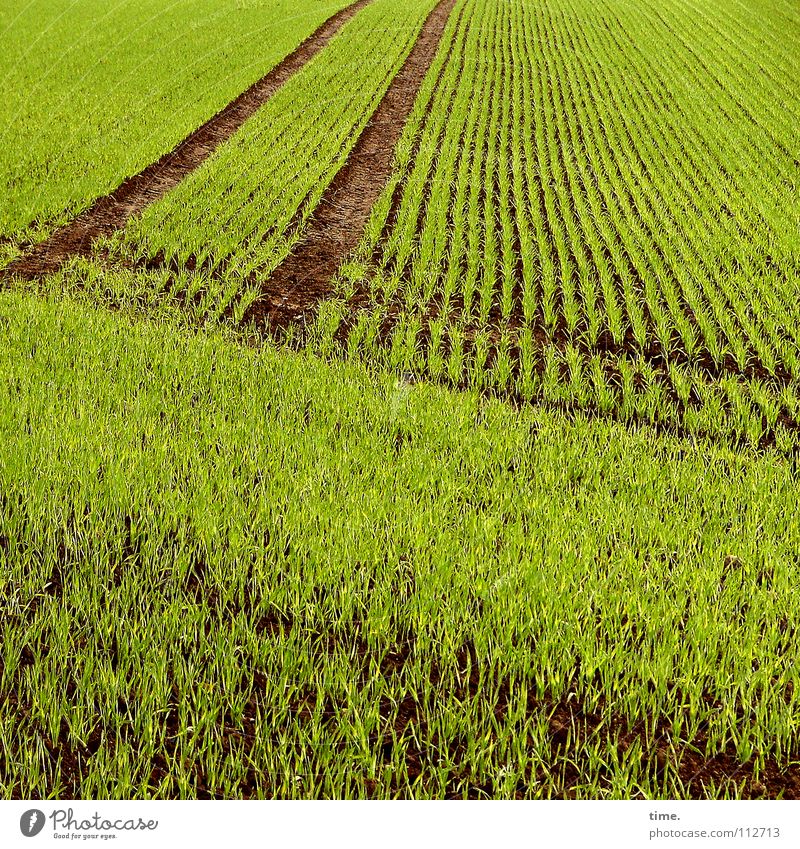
(303, 278)
(111, 212)
(571, 725)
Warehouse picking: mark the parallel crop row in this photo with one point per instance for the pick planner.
(597, 207)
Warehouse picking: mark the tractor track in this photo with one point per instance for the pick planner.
(303, 279)
(111, 212)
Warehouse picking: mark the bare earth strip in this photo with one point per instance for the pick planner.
(111, 212)
(303, 278)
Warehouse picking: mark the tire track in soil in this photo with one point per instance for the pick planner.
(303, 278)
(111, 212)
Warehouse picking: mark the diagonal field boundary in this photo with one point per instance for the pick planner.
(111, 212)
(304, 277)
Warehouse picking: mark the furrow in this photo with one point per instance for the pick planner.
(304, 277)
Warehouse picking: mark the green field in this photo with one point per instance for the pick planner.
(231, 571)
(571, 236)
(509, 511)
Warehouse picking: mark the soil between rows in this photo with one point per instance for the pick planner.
(304, 277)
(111, 212)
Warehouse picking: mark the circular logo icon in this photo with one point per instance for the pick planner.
(31, 822)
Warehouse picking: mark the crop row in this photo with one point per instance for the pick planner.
(246, 208)
(589, 189)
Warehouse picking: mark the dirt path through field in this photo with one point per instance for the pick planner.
(303, 278)
(112, 211)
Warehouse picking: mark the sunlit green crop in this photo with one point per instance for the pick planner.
(230, 571)
(244, 211)
(595, 205)
(511, 514)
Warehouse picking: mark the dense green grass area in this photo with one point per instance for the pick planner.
(232, 571)
(237, 566)
(94, 92)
